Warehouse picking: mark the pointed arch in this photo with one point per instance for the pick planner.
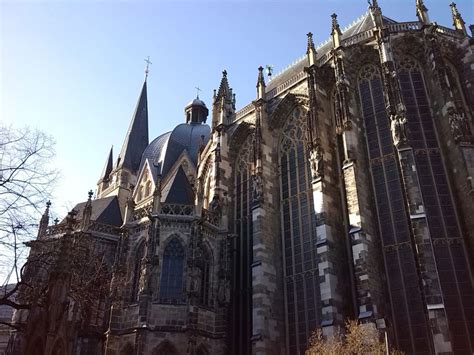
(297, 232)
(172, 272)
(165, 348)
(285, 107)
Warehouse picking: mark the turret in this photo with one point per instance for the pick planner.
(260, 84)
(310, 50)
(335, 32)
(223, 107)
(458, 21)
(196, 111)
(87, 212)
(44, 221)
(422, 12)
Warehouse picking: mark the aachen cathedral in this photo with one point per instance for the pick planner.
(344, 190)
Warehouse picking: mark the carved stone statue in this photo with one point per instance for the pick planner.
(195, 281)
(223, 295)
(317, 162)
(398, 128)
(257, 187)
(458, 123)
(215, 204)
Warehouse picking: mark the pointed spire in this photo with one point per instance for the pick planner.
(44, 222)
(311, 50)
(136, 139)
(260, 84)
(224, 89)
(87, 212)
(422, 12)
(458, 21)
(107, 167)
(335, 32)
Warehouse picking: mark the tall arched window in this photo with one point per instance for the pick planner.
(148, 188)
(205, 266)
(298, 234)
(242, 272)
(171, 285)
(137, 271)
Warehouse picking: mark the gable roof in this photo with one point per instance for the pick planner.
(104, 210)
(178, 190)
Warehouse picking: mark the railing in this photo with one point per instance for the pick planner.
(103, 228)
(324, 58)
(285, 85)
(404, 26)
(244, 111)
(177, 210)
(359, 37)
(92, 227)
(210, 216)
(449, 32)
(142, 212)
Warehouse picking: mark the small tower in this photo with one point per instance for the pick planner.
(196, 111)
(260, 84)
(335, 32)
(422, 12)
(44, 221)
(87, 212)
(310, 50)
(223, 107)
(458, 21)
(104, 180)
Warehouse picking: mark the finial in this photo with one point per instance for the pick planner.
(422, 12)
(197, 91)
(458, 21)
(224, 73)
(56, 221)
(310, 50)
(260, 84)
(269, 69)
(48, 204)
(335, 32)
(90, 193)
(147, 68)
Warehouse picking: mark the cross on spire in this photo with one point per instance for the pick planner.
(147, 68)
(197, 90)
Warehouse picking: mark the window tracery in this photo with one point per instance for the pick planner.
(298, 236)
(171, 282)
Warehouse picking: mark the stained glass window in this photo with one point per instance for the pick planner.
(171, 286)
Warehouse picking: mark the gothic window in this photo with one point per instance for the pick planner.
(171, 286)
(205, 270)
(137, 272)
(140, 194)
(391, 210)
(242, 279)
(148, 188)
(298, 235)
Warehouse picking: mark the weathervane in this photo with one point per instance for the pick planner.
(197, 89)
(147, 69)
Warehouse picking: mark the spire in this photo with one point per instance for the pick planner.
(44, 222)
(376, 13)
(422, 12)
(260, 84)
(107, 167)
(311, 51)
(458, 21)
(335, 32)
(224, 89)
(87, 212)
(136, 139)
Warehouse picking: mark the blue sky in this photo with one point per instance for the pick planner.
(74, 68)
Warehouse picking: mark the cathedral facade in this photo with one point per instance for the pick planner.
(343, 191)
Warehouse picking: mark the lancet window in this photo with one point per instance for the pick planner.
(298, 234)
(171, 285)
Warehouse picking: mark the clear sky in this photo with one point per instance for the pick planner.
(74, 68)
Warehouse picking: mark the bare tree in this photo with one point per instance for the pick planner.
(358, 339)
(26, 180)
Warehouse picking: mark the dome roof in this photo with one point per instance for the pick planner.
(164, 150)
(196, 102)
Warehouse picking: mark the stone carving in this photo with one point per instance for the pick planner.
(257, 187)
(195, 281)
(398, 128)
(459, 124)
(317, 161)
(223, 295)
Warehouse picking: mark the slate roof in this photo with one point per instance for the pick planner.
(178, 190)
(136, 139)
(362, 24)
(164, 150)
(104, 210)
